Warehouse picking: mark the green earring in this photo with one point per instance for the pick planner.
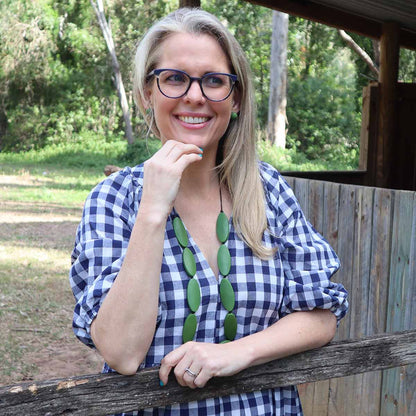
(234, 116)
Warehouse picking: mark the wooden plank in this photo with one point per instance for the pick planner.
(346, 218)
(380, 263)
(103, 394)
(306, 393)
(395, 389)
(291, 181)
(302, 194)
(410, 375)
(316, 204)
(330, 212)
(312, 393)
(340, 390)
(365, 387)
(379, 273)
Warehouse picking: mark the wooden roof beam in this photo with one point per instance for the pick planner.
(336, 18)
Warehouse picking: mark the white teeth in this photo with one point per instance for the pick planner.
(193, 120)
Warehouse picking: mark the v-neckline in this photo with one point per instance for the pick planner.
(198, 252)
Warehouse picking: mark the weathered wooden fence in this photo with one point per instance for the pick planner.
(373, 231)
(100, 395)
(362, 373)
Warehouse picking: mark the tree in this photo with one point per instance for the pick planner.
(118, 80)
(189, 3)
(360, 51)
(276, 128)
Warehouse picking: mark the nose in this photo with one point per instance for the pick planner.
(195, 92)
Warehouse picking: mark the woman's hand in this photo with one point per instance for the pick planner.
(204, 361)
(163, 172)
(292, 334)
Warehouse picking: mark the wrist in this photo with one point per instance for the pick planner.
(152, 216)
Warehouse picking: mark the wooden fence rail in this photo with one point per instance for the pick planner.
(103, 394)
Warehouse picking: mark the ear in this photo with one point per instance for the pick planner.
(148, 95)
(236, 101)
(147, 103)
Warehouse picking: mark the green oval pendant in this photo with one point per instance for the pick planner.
(193, 294)
(224, 260)
(189, 328)
(227, 295)
(189, 262)
(223, 229)
(230, 326)
(180, 232)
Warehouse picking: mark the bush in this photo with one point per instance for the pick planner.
(140, 150)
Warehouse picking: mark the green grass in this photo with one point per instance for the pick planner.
(41, 197)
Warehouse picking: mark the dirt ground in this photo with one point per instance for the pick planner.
(36, 302)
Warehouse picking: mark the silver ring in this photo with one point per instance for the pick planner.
(190, 372)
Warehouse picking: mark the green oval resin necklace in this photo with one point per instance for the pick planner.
(193, 291)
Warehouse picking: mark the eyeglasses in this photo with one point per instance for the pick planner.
(173, 83)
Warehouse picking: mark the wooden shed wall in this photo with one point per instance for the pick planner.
(373, 231)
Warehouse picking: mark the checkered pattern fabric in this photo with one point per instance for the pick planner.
(296, 279)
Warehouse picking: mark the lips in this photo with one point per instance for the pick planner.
(193, 120)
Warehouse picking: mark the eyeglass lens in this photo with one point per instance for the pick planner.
(215, 86)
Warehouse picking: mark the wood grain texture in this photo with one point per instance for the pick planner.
(103, 394)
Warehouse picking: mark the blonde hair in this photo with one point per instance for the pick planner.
(237, 158)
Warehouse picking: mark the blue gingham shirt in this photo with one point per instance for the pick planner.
(296, 279)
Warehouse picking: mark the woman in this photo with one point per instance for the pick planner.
(198, 301)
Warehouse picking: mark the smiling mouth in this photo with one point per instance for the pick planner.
(193, 120)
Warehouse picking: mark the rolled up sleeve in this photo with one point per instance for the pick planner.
(100, 246)
(309, 263)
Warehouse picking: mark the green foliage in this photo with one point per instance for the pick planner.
(252, 27)
(293, 160)
(140, 151)
(323, 106)
(407, 68)
(48, 62)
(89, 151)
(56, 86)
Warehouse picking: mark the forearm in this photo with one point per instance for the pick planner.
(296, 332)
(124, 327)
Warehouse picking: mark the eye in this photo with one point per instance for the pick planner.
(174, 78)
(214, 80)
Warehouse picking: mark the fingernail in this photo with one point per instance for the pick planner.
(161, 383)
(200, 155)
(201, 149)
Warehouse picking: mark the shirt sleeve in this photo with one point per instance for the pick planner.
(100, 246)
(309, 262)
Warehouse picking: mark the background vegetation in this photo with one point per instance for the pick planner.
(56, 88)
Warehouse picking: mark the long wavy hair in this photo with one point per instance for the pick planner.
(237, 161)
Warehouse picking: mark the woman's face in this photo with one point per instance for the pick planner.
(192, 118)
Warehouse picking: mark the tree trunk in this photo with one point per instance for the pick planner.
(276, 129)
(189, 3)
(358, 50)
(118, 80)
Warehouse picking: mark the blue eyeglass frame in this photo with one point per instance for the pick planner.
(157, 72)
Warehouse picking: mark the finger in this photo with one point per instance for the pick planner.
(202, 379)
(182, 376)
(186, 160)
(186, 374)
(175, 149)
(168, 362)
